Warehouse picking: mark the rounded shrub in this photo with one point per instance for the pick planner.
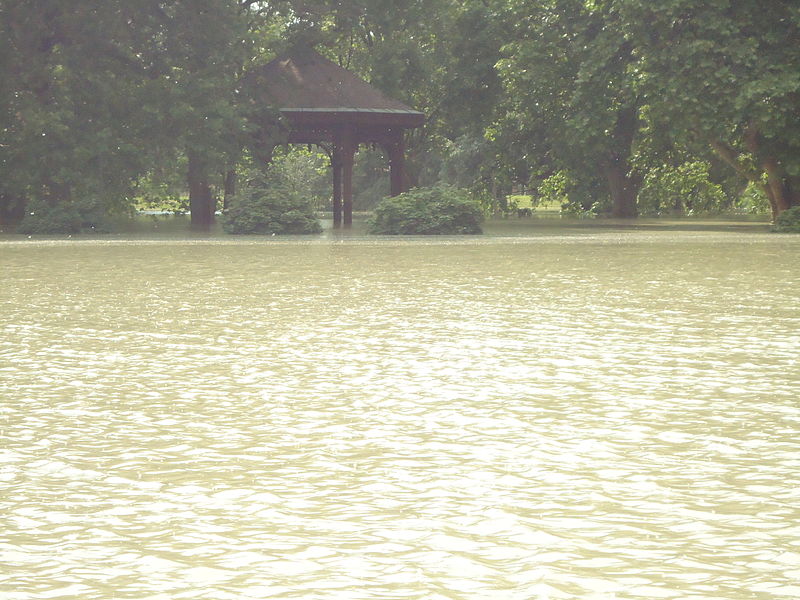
(788, 221)
(47, 218)
(269, 204)
(441, 210)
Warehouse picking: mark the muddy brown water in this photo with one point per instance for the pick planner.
(605, 413)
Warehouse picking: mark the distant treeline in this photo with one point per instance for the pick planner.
(618, 107)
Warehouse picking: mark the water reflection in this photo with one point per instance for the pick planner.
(607, 415)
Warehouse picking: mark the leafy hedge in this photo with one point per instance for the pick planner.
(442, 210)
(44, 218)
(788, 221)
(269, 204)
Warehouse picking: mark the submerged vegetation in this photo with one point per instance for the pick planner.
(428, 211)
(788, 221)
(267, 204)
(620, 109)
(64, 217)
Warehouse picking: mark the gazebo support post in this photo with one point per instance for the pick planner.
(395, 149)
(349, 146)
(336, 165)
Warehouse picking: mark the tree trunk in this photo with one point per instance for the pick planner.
(778, 186)
(12, 211)
(201, 201)
(623, 190)
(229, 188)
(779, 190)
(793, 186)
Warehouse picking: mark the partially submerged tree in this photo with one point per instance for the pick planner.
(568, 76)
(94, 93)
(726, 74)
(440, 210)
(75, 81)
(205, 46)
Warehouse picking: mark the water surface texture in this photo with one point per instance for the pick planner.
(600, 414)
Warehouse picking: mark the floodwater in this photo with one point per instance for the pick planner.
(580, 413)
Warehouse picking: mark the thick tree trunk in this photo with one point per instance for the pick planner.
(779, 190)
(623, 190)
(12, 211)
(778, 186)
(201, 201)
(229, 188)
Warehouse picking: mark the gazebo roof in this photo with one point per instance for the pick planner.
(312, 90)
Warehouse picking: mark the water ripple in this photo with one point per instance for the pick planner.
(600, 416)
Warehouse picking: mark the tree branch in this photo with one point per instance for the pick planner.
(731, 157)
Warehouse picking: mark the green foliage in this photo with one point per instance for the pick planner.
(724, 74)
(443, 210)
(370, 179)
(163, 191)
(370, 189)
(571, 103)
(470, 163)
(521, 201)
(682, 190)
(788, 221)
(96, 97)
(575, 198)
(307, 171)
(553, 189)
(269, 204)
(464, 161)
(753, 200)
(44, 218)
(161, 199)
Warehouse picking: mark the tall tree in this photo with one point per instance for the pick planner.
(569, 80)
(725, 73)
(205, 46)
(74, 80)
(96, 91)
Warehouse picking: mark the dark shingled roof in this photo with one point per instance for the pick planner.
(305, 81)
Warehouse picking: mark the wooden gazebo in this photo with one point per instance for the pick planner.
(325, 104)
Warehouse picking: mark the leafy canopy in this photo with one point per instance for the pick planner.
(428, 211)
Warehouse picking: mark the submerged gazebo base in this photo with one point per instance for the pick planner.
(341, 136)
(323, 103)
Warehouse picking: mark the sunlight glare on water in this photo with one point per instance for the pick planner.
(610, 415)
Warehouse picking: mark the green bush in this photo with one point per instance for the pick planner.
(442, 210)
(575, 197)
(269, 204)
(161, 194)
(682, 190)
(788, 221)
(44, 218)
(753, 200)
